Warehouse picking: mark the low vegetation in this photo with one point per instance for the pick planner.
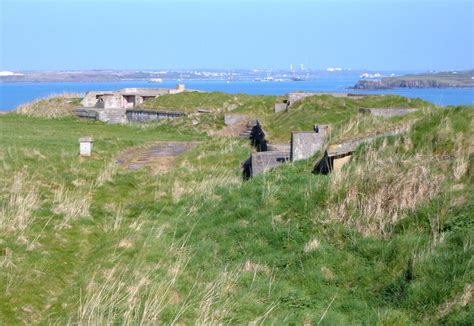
(54, 106)
(388, 240)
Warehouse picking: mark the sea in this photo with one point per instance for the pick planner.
(14, 94)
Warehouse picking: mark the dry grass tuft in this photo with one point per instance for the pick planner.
(216, 304)
(375, 192)
(130, 294)
(70, 204)
(204, 187)
(312, 245)
(253, 267)
(16, 214)
(106, 174)
(461, 301)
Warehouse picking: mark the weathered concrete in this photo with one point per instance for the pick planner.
(279, 147)
(294, 97)
(280, 107)
(127, 97)
(351, 145)
(388, 112)
(158, 157)
(87, 113)
(306, 144)
(110, 101)
(231, 119)
(85, 146)
(149, 115)
(204, 110)
(336, 155)
(110, 116)
(263, 161)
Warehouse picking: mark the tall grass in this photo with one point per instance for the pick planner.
(70, 204)
(53, 106)
(376, 191)
(17, 211)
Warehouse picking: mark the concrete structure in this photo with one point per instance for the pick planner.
(127, 97)
(336, 155)
(111, 107)
(232, 119)
(85, 146)
(296, 96)
(388, 112)
(280, 107)
(279, 147)
(306, 144)
(263, 161)
(151, 115)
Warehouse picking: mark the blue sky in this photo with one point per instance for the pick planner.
(365, 34)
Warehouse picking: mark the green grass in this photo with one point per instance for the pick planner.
(196, 244)
(319, 109)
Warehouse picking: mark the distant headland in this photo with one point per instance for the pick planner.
(430, 80)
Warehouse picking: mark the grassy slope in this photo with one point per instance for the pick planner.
(198, 244)
(301, 116)
(55, 106)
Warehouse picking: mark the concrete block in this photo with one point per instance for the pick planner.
(110, 101)
(263, 161)
(294, 97)
(90, 100)
(231, 119)
(306, 144)
(85, 146)
(280, 107)
(388, 112)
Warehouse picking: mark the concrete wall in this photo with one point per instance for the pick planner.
(280, 107)
(86, 113)
(231, 119)
(111, 101)
(263, 161)
(293, 97)
(90, 100)
(147, 115)
(388, 112)
(306, 144)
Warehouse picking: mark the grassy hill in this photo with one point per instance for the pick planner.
(388, 240)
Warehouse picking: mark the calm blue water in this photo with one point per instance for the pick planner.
(14, 94)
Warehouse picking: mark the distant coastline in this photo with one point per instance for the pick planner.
(449, 79)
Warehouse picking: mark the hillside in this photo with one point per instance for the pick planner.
(388, 240)
(435, 80)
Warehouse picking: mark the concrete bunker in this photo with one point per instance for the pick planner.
(260, 162)
(111, 107)
(305, 144)
(138, 115)
(337, 155)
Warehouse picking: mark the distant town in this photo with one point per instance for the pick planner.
(293, 73)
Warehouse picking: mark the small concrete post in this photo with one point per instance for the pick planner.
(280, 107)
(85, 146)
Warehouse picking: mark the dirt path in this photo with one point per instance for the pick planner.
(158, 156)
